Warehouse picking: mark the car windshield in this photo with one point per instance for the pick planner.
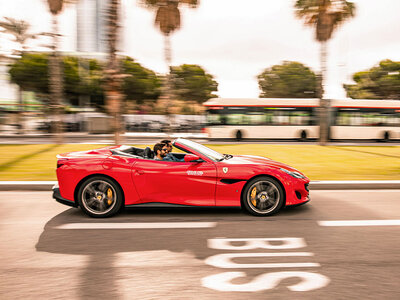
(211, 154)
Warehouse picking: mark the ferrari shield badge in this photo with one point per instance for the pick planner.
(225, 169)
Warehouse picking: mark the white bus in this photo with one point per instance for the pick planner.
(277, 118)
(365, 119)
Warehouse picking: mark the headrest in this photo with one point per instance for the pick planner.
(148, 153)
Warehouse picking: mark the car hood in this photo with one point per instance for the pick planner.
(257, 160)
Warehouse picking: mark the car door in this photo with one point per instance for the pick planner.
(186, 183)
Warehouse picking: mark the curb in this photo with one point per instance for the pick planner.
(314, 185)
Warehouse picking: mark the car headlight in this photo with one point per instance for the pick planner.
(293, 174)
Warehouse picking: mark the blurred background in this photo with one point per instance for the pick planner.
(108, 66)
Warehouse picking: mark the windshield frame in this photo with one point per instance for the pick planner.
(193, 147)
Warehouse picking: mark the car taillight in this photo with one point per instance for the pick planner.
(204, 130)
(61, 162)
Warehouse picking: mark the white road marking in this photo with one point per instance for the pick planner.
(267, 281)
(360, 223)
(224, 260)
(254, 243)
(167, 225)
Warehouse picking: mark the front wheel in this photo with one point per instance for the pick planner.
(100, 197)
(263, 196)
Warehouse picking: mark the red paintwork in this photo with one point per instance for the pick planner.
(187, 183)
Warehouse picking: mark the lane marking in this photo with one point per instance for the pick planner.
(224, 260)
(267, 281)
(360, 223)
(138, 225)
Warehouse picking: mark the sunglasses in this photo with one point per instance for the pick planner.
(164, 150)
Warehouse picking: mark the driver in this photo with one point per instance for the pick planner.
(160, 151)
(169, 155)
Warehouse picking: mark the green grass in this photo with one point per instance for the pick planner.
(38, 162)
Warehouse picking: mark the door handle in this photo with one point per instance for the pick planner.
(140, 172)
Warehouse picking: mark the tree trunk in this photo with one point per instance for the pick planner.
(323, 103)
(168, 83)
(167, 49)
(56, 86)
(20, 115)
(113, 78)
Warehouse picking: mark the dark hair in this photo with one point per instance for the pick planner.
(167, 142)
(158, 147)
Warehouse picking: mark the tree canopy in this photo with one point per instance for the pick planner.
(324, 15)
(379, 82)
(168, 16)
(288, 80)
(83, 77)
(192, 83)
(139, 84)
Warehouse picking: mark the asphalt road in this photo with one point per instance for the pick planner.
(50, 251)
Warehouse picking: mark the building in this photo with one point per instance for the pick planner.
(91, 26)
(8, 90)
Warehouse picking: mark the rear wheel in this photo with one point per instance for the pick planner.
(100, 197)
(263, 196)
(386, 137)
(303, 136)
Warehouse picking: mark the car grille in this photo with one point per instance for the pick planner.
(306, 187)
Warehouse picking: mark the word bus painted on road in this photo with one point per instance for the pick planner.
(223, 281)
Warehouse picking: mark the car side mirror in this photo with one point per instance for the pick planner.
(192, 158)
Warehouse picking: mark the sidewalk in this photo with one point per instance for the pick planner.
(314, 185)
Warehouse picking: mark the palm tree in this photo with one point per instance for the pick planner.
(325, 16)
(19, 30)
(55, 75)
(113, 74)
(168, 19)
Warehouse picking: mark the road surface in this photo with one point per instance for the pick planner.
(51, 251)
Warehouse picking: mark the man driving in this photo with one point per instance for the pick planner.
(169, 155)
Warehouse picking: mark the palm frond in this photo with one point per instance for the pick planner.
(324, 15)
(55, 6)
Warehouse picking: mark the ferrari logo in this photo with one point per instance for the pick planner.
(225, 169)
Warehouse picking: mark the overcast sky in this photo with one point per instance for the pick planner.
(235, 40)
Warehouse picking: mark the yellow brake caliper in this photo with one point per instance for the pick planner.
(253, 196)
(109, 196)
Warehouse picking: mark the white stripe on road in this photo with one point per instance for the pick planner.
(225, 260)
(137, 225)
(360, 223)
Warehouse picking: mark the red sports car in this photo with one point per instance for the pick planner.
(103, 181)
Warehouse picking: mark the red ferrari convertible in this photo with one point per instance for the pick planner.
(103, 181)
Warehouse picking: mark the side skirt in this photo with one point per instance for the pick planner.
(161, 204)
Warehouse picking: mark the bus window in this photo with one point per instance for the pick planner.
(213, 119)
(234, 119)
(366, 117)
(256, 119)
(300, 118)
(268, 118)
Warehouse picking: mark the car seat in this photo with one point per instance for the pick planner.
(148, 153)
